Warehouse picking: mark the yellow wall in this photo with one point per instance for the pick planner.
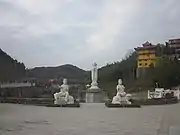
(146, 58)
(145, 51)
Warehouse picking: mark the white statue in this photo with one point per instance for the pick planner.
(120, 88)
(94, 77)
(121, 96)
(63, 96)
(94, 72)
(64, 86)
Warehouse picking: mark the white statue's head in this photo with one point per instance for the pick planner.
(94, 64)
(120, 81)
(65, 81)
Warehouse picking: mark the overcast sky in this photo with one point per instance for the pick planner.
(79, 32)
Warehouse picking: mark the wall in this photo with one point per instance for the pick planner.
(16, 85)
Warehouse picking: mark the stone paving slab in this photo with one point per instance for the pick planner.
(174, 130)
(170, 124)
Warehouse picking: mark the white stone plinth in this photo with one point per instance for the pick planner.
(95, 88)
(94, 95)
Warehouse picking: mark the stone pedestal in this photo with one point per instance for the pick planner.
(94, 95)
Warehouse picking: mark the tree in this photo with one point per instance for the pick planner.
(10, 69)
(167, 72)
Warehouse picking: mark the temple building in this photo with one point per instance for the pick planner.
(147, 54)
(174, 48)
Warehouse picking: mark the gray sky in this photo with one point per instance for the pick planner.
(79, 32)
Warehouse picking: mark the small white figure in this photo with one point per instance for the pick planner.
(121, 96)
(63, 96)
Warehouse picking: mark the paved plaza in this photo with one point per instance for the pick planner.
(89, 119)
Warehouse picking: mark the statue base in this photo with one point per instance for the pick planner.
(94, 95)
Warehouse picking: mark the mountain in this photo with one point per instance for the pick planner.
(68, 71)
(10, 69)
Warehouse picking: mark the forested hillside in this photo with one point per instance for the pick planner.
(125, 69)
(72, 73)
(166, 73)
(10, 69)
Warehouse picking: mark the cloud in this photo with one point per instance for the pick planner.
(47, 33)
(112, 19)
(41, 7)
